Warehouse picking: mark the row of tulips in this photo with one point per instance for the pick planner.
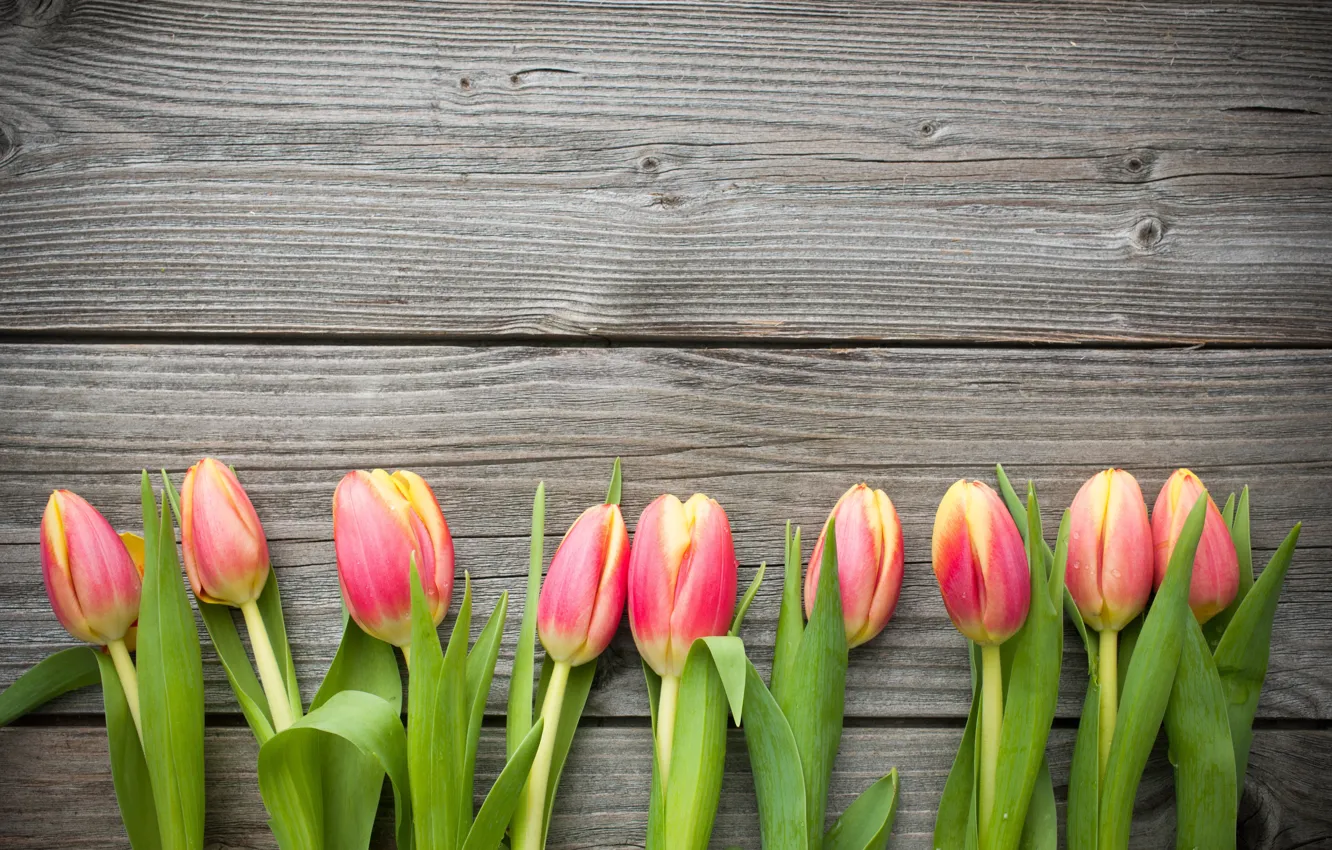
(321, 769)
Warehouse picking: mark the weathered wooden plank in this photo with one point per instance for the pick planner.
(1003, 171)
(604, 791)
(771, 434)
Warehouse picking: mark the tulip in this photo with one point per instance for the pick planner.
(1109, 574)
(682, 578)
(380, 523)
(1216, 564)
(869, 562)
(226, 553)
(93, 582)
(981, 565)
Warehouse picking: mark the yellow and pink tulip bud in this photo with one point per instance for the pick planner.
(869, 562)
(226, 552)
(93, 582)
(1109, 550)
(682, 579)
(981, 564)
(380, 523)
(1215, 565)
(582, 598)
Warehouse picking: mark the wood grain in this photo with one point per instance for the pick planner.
(771, 434)
(1129, 172)
(604, 790)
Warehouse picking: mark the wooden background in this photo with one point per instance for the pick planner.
(759, 249)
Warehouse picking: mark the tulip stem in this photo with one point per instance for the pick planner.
(129, 680)
(666, 706)
(266, 661)
(531, 820)
(1109, 676)
(992, 719)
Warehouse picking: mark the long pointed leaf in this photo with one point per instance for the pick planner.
(745, 601)
(775, 762)
(1084, 783)
(698, 755)
(129, 772)
(434, 804)
(1242, 655)
(1239, 535)
(488, 829)
(56, 674)
(170, 685)
(791, 617)
(480, 671)
(518, 717)
(1040, 831)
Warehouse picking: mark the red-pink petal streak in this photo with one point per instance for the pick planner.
(869, 561)
(1215, 564)
(582, 597)
(980, 563)
(92, 582)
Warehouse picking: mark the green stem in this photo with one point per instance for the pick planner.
(129, 680)
(1109, 676)
(666, 706)
(992, 720)
(531, 821)
(266, 661)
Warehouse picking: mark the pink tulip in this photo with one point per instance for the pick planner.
(226, 553)
(93, 583)
(869, 562)
(1215, 565)
(1109, 550)
(981, 564)
(380, 522)
(682, 578)
(582, 598)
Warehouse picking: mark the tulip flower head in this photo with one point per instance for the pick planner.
(869, 562)
(682, 579)
(1215, 565)
(582, 598)
(93, 583)
(380, 522)
(1109, 550)
(981, 564)
(226, 553)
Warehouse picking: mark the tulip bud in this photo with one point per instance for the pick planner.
(226, 553)
(1109, 550)
(981, 564)
(93, 583)
(582, 598)
(869, 562)
(380, 522)
(1215, 565)
(681, 579)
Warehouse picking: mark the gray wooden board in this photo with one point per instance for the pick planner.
(55, 788)
(998, 171)
(771, 434)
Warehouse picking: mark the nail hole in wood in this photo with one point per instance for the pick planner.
(927, 129)
(514, 79)
(465, 83)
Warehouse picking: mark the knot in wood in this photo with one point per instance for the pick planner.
(1147, 233)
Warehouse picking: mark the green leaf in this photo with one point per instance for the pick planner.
(698, 755)
(1242, 655)
(480, 671)
(775, 764)
(955, 822)
(170, 685)
(747, 600)
(56, 674)
(575, 698)
(728, 656)
(867, 823)
(814, 697)
(129, 771)
(488, 829)
(613, 493)
(1239, 534)
(352, 780)
(1201, 749)
(437, 722)
(1228, 512)
(791, 618)
(1147, 686)
(1041, 829)
(1011, 500)
(1084, 783)
(518, 718)
(290, 781)
(1032, 688)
